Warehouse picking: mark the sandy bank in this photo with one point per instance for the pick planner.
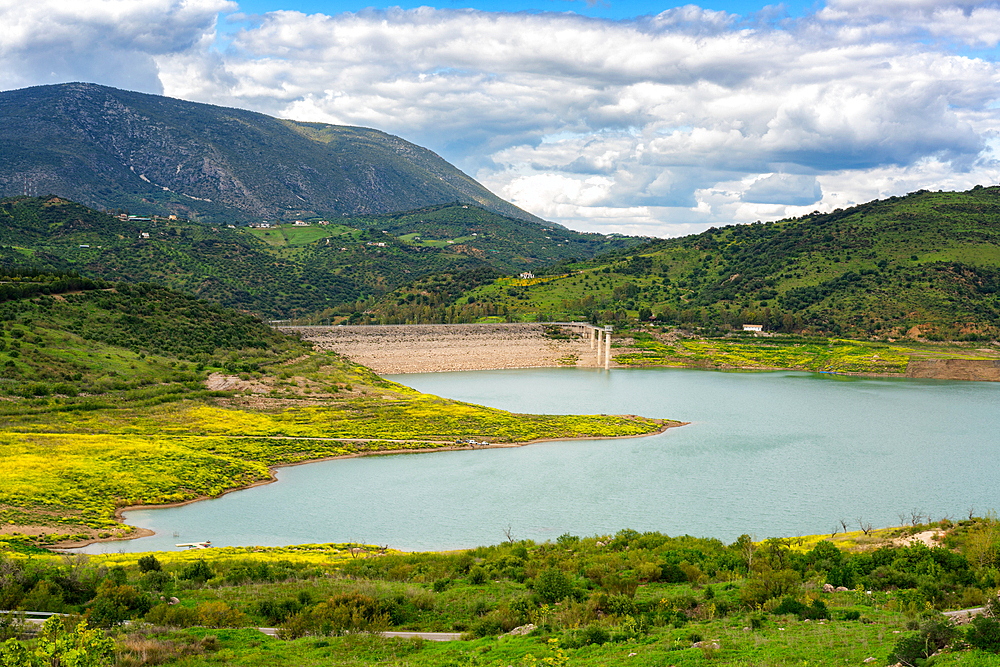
(977, 370)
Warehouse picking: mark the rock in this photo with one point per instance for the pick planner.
(521, 630)
(867, 660)
(706, 644)
(174, 601)
(828, 588)
(842, 589)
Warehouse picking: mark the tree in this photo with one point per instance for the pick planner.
(982, 541)
(746, 548)
(83, 647)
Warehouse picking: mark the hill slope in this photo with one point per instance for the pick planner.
(110, 148)
(927, 264)
(286, 271)
(119, 394)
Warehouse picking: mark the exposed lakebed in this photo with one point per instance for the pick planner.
(777, 453)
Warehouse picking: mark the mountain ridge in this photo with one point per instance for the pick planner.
(154, 155)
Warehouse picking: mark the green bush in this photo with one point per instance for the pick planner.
(552, 585)
(172, 615)
(486, 627)
(117, 604)
(984, 634)
(218, 614)
(275, 613)
(157, 580)
(341, 614)
(149, 564)
(933, 635)
(816, 611)
(620, 605)
(198, 571)
(768, 585)
(477, 575)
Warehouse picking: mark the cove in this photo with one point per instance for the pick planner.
(771, 454)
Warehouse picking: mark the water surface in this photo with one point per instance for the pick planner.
(778, 453)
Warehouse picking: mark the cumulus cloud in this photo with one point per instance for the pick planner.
(660, 125)
(114, 42)
(789, 189)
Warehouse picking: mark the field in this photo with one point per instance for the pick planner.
(634, 598)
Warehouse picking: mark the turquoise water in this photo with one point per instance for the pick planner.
(769, 454)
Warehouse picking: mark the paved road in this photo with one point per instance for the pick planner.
(964, 615)
(429, 636)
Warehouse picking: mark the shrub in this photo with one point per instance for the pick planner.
(276, 613)
(552, 585)
(198, 571)
(441, 584)
(984, 634)
(157, 580)
(477, 575)
(149, 564)
(172, 615)
(768, 585)
(218, 614)
(933, 635)
(486, 627)
(116, 604)
(620, 605)
(341, 614)
(595, 634)
(788, 606)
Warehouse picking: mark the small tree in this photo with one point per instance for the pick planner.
(149, 564)
(81, 648)
(552, 585)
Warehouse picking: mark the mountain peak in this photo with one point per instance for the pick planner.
(111, 148)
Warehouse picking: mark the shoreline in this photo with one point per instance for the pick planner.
(138, 533)
(399, 349)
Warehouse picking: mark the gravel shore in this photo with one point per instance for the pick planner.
(425, 348)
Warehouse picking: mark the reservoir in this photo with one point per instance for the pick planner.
(769, 454)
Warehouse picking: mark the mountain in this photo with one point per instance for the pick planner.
(925, 265)
(153, 155)
(289, 270)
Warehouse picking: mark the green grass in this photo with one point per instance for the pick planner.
(616, 587)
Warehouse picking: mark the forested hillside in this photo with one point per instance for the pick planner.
(288, 271)
(927, 264)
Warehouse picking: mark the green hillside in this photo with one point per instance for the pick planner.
(286, 271)
(155, 155)
(114, 394)
(927, 265)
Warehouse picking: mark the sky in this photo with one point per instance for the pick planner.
(602, 115)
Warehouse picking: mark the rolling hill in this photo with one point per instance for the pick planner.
(284, 271)
(154, 155)
(924, 265)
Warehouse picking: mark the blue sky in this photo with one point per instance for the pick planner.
(608, 9)
(626, 117)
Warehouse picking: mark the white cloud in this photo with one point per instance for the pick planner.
(665, 124)
(114, 42)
